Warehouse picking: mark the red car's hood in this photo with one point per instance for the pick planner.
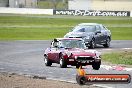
(81, 52)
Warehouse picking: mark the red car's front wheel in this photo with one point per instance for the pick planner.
(96, 65)
(47, 61)
(63, 63)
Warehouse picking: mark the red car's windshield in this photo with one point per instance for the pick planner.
(72, 44)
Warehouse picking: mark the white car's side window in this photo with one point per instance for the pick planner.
(98, 28)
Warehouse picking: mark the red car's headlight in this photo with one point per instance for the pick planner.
(75, 57)
(69, 54)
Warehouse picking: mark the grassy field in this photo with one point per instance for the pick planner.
(41, 27)
(119, 57)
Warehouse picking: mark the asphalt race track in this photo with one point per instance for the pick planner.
(26, 57)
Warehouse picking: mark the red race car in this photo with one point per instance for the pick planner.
(71, 51)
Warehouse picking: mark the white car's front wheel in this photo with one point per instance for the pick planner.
(107, 45)
(92, 44)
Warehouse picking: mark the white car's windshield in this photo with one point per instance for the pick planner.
(86, 28)
(72, 44)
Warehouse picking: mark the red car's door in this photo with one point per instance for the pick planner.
(54, 54)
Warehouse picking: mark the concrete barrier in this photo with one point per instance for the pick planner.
(131, 14)
(26, 11)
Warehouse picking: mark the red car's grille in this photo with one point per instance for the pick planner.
(84, 58)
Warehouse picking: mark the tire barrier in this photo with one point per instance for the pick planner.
(82, 78)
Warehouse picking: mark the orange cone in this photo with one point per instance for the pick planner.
(81, 72)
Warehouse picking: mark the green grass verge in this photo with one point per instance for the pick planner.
(121, 33)
(119, 57)
(30, 27)
(31, 33)
(63, 20)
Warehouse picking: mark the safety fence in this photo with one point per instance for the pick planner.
(26, 11)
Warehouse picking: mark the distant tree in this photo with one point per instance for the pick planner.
(65, 3)
(55, 3)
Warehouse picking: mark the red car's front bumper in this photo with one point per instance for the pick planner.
(82, 61)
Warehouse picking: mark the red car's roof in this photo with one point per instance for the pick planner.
(68, 38)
